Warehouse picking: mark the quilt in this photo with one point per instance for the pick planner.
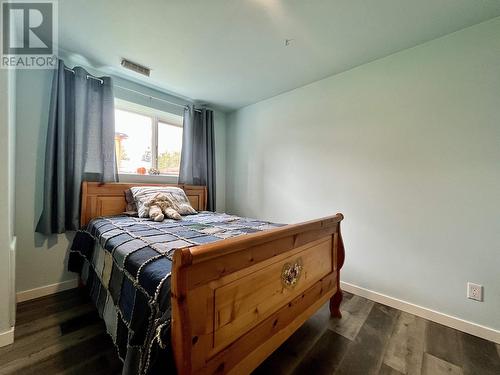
(126, 262)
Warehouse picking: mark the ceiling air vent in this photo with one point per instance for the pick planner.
(136, 67)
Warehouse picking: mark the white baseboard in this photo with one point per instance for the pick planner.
(42, 291)
(435, 316)
(7, 337)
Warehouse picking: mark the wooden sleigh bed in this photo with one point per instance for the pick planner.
(236, 300)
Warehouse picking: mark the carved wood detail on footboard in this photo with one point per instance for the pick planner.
(235, 301)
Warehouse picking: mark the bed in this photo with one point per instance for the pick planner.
(211, 294)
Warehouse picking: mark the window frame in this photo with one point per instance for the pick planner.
(156, 117)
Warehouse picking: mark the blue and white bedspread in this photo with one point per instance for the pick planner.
(125, 262)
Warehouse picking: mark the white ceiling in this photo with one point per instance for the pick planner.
(231, 53)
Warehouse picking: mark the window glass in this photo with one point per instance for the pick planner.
(133, 142)
(169, 148)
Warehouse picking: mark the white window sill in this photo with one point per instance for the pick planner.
(161, 178)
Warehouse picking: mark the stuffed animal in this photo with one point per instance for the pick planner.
(160, 206)
(156, 213)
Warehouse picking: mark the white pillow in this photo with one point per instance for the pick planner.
(142, 195)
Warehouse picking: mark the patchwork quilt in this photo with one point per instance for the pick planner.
(126, 262)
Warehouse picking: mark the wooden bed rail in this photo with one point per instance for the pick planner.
(235, 301)
(215, 249)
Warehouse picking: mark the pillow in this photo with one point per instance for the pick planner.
(129, 197)
(143, 194)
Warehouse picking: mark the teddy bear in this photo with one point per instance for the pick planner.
(160, 206)
(155, 212)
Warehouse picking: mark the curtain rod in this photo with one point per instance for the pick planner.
(154, 97)
(135, 91)
(88, 75)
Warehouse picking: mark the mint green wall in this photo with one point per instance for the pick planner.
(41, 260)
(408, 148)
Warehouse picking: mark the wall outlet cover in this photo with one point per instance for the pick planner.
(475, 291)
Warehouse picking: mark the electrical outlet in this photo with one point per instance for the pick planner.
(475, 292)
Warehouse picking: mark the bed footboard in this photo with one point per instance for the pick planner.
(235, 301)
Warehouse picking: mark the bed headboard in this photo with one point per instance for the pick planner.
(105, 199)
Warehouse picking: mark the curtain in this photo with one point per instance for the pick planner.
(80, 145)
(198, 151)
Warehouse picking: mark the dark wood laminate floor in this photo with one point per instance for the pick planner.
(62, 334)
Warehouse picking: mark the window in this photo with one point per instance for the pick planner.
(169, 149)
(147, 139)
(133, 142)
